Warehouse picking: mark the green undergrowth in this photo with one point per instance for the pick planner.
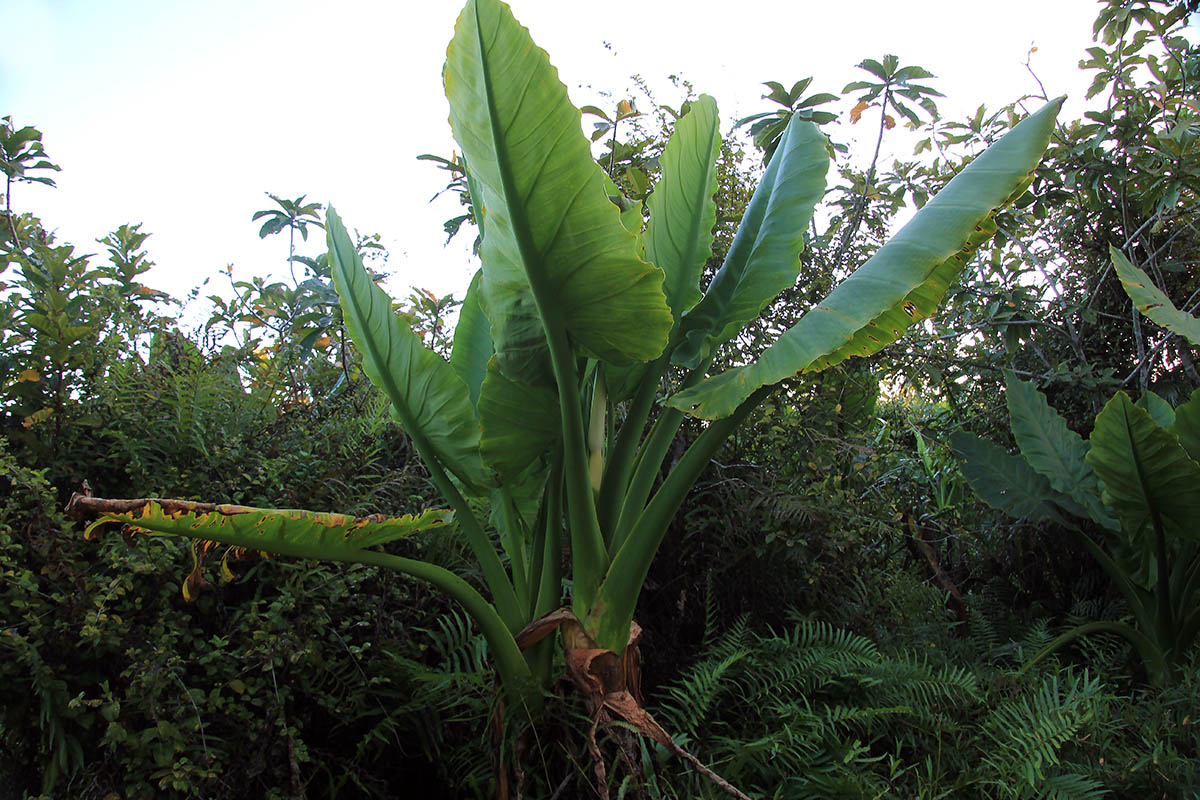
(931, 709)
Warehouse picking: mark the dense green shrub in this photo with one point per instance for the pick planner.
(292, 674)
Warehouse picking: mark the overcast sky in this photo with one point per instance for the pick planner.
(180, 115)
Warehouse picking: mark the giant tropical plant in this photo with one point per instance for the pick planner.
(583, 343)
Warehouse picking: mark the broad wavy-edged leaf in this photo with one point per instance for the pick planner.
(682, 209)
(623, 382)
(631, 219)
(555, 252)
(1187, 425)
(1004, 481)
(1053, 449)
(631, 211)
(287, 532)
(902, 283)
(764, 258)
(1148, 476)
(1159, 409)
(427, 395)
(472, 341)
(520, 422)
(1151, 301)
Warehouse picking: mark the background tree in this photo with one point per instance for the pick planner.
(21, 154)
(292, 215)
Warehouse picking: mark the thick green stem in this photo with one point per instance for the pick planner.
(1184, 590)
(608, 621)
(549, 593)
(598, 416)
(619, 466)
(1166, 613)
(512, 537)
(1189, 627)
(1151, 653)
(589, 556)
(511, 664)
(649, 462)
(1137, 604)
(549, 569)
(520, 688)
(503, 593)
(539, 547)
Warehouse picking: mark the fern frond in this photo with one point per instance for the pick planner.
(1070, 786)
(1029, 731)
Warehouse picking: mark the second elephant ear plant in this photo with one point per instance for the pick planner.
(583, 342)
(1137, 479)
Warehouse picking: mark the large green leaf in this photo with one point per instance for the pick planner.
(764, 258)
(520, 422)
(288, 532)
(903, 282)
(318, 535)
(631, 211)
(1187, 425)
(1148, 476)
(428, 397)
(1151, 301)
(1004, 481)
(1159, 409)
(555, 253)
(682, 209)
(1053, 449)
(472, 341)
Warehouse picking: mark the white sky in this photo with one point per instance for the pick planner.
(180, 115)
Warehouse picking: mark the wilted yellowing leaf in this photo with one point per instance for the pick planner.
(36, 417)
(856, 112)
(31, 375)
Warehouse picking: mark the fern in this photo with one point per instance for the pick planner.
(448, 703)
(801, 712)
(912, 681)
(460, 649)
(712, 611)
(984, 638)
(694, 695)
(1069, 786)
(1029, 732)
(1034, 638)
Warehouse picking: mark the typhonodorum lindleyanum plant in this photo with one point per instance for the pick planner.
(551, 407)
